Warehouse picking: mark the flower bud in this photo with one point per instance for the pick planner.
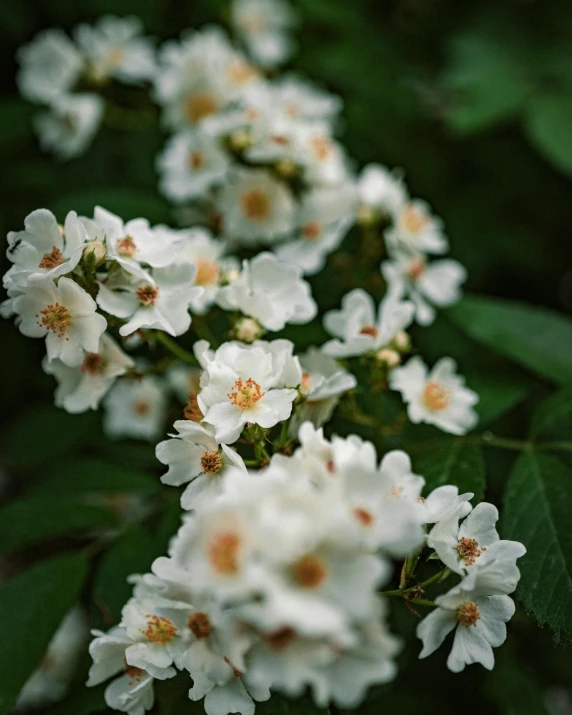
(366, 216)
(402, 341)
(239, 140)
(389, 357)
(285, 168)
(94, 254)
(248, 330)
(231, 275)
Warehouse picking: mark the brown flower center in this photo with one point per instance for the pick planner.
(469, 550)
(310, 571)
(416, 268)
(192, 410)
(159, 630)
(245, 394)
(196, 160)
(414, 219)
(364, 517)
(207, 272)
(141, 408)
(311, 230)
(126, 246)
(92, 363)
(436, 397)
(51, 260)
(468, 614)
(211, 462)
(240, 72)
(321, 147)
(223, 552)
(147, 294)
(199, 625)
(369, 330)
(255, 205)
(134, 674)
(199, 105)
(281, 639)
(55, 317)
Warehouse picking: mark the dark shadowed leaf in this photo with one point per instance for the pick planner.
(453, 463)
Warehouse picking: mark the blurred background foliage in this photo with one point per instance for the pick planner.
(474, 101)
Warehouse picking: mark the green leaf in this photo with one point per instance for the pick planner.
(497, 393)
(537, 338)
(132, 553)
(30, 520)
(95, 475)
(553, 419)
(32, 606)
(87, 701)
(548, 127)
(453, 463)
(43, 433)
(538, 504)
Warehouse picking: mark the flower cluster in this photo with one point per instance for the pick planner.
(273, 580)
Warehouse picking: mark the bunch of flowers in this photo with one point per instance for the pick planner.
(277, 577)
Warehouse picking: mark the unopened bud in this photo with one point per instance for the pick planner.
(389, 357)
(231, 275)
(248, 330)
(94, 253)
(366, 216)
(239, 140)
(402, 341)
(286, 168)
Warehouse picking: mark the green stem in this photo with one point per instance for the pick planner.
(423, 602)
(404, 591)
(490, 440)
(172, 346)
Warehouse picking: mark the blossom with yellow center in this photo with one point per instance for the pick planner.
(126, 246)
(310, 571)
(55, 317)
(223, 552)
(147, 294)
(436, 397)
(52, 259)
(255, 204)
(245, 393)
(159, 630)
(468, 614)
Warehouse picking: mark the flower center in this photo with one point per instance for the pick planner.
(51, 260)
(141, 408)
(281, 639)
(364, 517)
(414, 219)
(147, 294)
(240, 72)
(224, 551)
(306, 383)
(199, 105)
(245, 394)
(469, 550)
(115, 57)
(321, 147)
(192, 410)
(211, 462)
(159, 630)
(207, 272)
(199, 625)
(55, 317)
(126, 246)
(310, 571)
(311, 230)
(134, 674)
(255, 205)
(436, 397)
(468, 614)
(92, 364)
(196, 160)
(369, 330)
(415, 269)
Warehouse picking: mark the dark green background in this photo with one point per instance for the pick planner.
(474, 101)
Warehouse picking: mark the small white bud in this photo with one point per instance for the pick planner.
(402, 341)
(248, 330)
(390, 357)
(97, 250)
(240, 140)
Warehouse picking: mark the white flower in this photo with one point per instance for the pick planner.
(161, 304)
(478, 608)
(426, 284)
(323, 382)
(190, 164)
(49, 66)
(246, 383)
(324, 217)
(42, 249)
(69, 127)
(113, 47)
(416, 230)
(474, 542)
(132, 243)
(272, 292)
(50, 681)
(298, 99)
(135, 409)
(256, 207)
(65, 314)
(197, 246)
(132, 691)
(358, 330)
(381, 190)
(321, 156)
(438, 397)
(194, 456)
(443, 501)
(263, 26)
(82, 388)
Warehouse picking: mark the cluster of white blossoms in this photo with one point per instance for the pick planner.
(274, 580)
